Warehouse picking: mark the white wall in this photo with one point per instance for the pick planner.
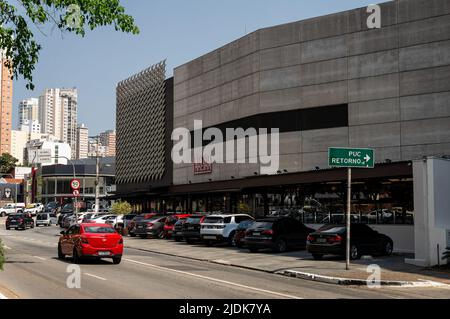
(432, 210)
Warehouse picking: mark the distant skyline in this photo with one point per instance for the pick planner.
(176, 30)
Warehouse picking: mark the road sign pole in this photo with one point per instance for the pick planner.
(349, 205)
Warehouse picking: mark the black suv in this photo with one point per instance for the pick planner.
(277, 233)
(19, 221)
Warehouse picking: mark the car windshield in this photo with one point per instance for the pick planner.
(263, 225)
(41, 217)
(213, 220)
(193, 220)
(99, 230)
(332, 229)
(245, 224)
(16, 215)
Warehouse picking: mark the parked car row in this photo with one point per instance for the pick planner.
(276, 233)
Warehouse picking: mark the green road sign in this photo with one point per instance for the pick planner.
(351, 157)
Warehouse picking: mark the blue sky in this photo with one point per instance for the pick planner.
(179, 30)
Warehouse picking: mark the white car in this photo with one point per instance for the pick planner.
(12, 209)
(114, 220)
(218, 228)
(101, 219)
(46, 219)
(34, 209)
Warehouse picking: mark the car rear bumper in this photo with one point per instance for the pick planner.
(212, 237)
(258, 243)
(325, 249)
(89, 251)
(191, 234)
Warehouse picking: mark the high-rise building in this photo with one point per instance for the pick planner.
(6, 96)
(108, 139)
(58, 115)
(82, 141)
(19, 140)
(30, 126)
(28, 111)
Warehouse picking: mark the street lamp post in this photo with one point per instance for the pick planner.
(74, 177)
(15, 194)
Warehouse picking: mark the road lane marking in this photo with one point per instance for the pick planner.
(40, 258)
(214, 279)
(3, 296)
(94, 276)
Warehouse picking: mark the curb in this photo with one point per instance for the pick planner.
(358, 282)
(310, 276)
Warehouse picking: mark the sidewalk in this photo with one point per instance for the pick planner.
(299, 264)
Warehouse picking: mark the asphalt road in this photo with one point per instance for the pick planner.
(33, 271)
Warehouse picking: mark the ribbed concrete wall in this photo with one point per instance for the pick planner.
(396, 81)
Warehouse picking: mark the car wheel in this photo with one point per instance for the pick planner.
(317, 256)
(117, 260)
(280, 246)
(3, 214)
(132, 235)
(354, 252)
(143, 236)
(231, 241)
(253, 250)
(60, 254)
(189, 241)
(7, 228)
(161, 235)
(387, 248)
(238, 245)
(32, 225)
(75, 257)
(177, 239)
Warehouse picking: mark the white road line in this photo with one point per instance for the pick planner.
(214, 279)
(3, 296)
(40, 258)
(94, 276)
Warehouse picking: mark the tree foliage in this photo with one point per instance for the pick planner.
(121, 208)
(74, 16)
(7, 163)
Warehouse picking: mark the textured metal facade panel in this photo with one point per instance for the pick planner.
(141, 118)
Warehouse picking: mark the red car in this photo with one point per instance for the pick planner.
(170, 223)
(91, 241)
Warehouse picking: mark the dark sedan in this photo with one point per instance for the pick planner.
(276, 233)
(19, 221)
(332, 239)
(153, 227)
(191, 228)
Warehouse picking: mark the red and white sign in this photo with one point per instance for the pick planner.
(75, 184)
(76, 192)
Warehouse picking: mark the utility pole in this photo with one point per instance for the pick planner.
(349, 205)
(97, 173)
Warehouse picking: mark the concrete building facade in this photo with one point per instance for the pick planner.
(58, 115)
(28, 111)
(6, 97)
(393, 83)
(108, 139)
(82, 142)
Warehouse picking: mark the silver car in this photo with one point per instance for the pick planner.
(45, 219)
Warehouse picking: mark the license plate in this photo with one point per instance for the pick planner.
(103, 253)
(209, 237)
(256, 233)
(321, 240)
(140, 226)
